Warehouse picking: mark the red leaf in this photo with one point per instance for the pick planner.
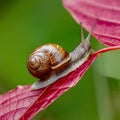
(107, 29)
(22, 103)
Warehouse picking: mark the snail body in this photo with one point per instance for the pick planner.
(51, 62)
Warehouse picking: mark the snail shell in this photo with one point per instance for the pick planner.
(47, 59)
(51, 62)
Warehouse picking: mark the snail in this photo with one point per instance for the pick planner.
(51, 62)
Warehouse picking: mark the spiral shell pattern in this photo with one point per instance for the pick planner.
(46, 59)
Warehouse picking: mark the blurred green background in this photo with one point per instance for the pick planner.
(26, 24)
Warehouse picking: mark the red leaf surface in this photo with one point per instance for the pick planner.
(107, 29)
(22, 103)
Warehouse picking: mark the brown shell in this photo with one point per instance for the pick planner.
(46, 59)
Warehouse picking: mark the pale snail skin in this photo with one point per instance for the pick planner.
(51, 62)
